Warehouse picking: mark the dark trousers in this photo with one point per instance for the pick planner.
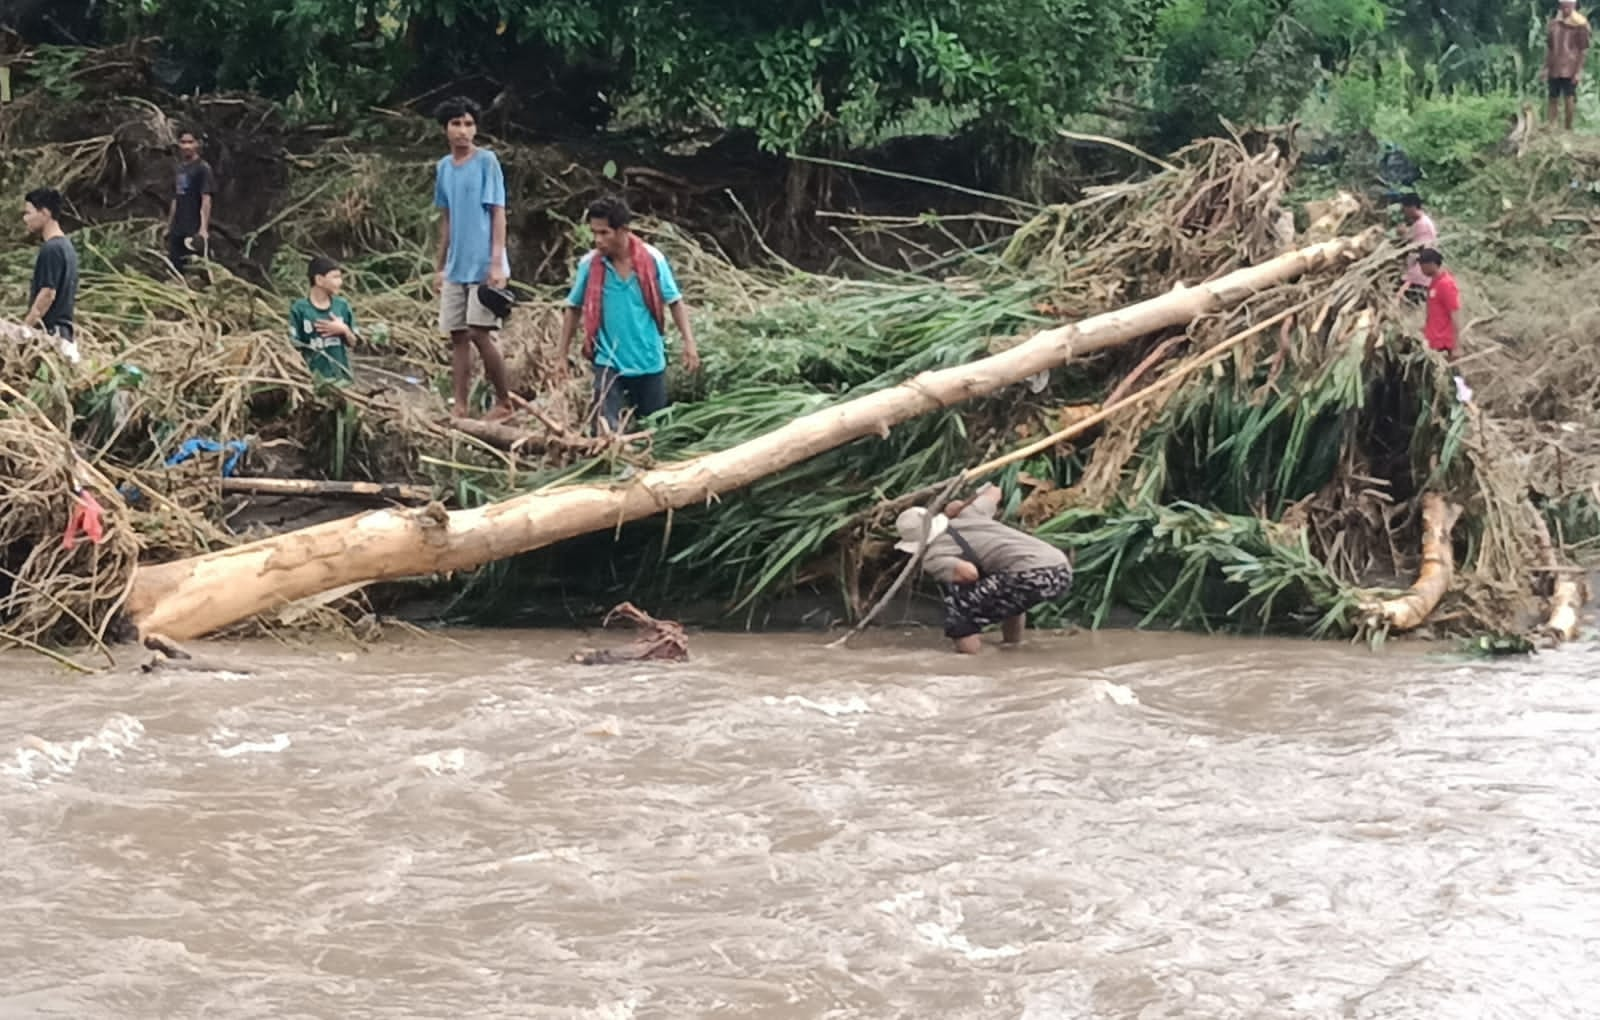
(612, 392)
(178, 251)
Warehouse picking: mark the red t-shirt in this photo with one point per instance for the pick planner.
(1444, 299)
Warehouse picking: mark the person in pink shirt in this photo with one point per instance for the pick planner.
(1421, 234)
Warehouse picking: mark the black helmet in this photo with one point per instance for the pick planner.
(497, 300)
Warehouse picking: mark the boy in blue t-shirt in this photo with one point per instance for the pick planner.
(470, 191)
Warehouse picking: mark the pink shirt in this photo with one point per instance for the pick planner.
(1423, 235)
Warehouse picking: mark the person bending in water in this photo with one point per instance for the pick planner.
(990, 572)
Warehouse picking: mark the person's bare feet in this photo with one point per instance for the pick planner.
(499, 412)
(969, 645)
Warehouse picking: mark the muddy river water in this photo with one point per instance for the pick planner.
(1114, 825)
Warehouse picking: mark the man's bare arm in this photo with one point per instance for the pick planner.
(497, 246)
(570, 317)
(444, 245)
(205, 215)
(691, 353)
(964, 573)
(41, 304)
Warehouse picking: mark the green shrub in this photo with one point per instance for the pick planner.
(1447, 137)
(1356, 101)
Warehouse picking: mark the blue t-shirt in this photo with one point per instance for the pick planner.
(469, 192)
(629, 342)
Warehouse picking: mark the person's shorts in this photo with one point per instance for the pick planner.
(1560, 87)
(460, 309)
(969, 608)
(1416, 294)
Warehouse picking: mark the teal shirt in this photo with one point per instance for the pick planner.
(326, 356)
(629, 342)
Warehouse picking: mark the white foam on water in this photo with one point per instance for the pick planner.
(1117, 694)
(565, 854)
(944, 933)
(851, 706)
(38, 758)
(279, 742)
(623, 1009)
(442, 763)
(939, 937)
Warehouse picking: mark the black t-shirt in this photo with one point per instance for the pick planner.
(193, 180)
(56, 267)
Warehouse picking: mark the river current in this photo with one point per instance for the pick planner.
(1116, 825)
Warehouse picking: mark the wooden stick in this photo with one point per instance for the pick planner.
(906, 571)
(308, 487)
(1124, 146)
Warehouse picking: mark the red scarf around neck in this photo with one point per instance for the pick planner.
(644, 267)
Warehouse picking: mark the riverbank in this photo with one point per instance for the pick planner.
(1275, 490)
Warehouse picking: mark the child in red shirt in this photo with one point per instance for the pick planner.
(1444, 303)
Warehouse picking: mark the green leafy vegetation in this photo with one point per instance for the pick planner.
(818, 75)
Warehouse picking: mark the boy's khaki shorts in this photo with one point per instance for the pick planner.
(460, 309)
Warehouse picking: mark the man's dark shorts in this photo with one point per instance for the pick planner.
(1561, 87)
(969, 608)
(1416, 294)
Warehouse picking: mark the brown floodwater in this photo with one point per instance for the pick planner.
(1116, 825)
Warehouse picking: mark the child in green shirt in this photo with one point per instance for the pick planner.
(321, 322)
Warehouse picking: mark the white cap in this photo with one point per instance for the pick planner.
(912, 523)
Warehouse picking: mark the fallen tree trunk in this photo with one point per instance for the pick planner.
(198, 595)
(1411, 610)
(512, 439)
(309, 487)
(1565, 604)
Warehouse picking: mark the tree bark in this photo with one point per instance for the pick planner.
(1411, 610)
(195, 596)
(309, 487)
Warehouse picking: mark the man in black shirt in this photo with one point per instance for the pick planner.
(54, 292)
(189, 222)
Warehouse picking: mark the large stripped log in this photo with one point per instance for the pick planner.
(195, 596)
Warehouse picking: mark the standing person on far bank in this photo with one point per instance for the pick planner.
(1566, 47)
(53, 293)
(620, 297)
(990, 572)
(470, 192)
(1421, 233)
(189, 219)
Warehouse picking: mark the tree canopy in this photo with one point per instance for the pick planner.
(819, 73)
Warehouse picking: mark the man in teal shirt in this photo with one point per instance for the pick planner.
(623, 311)
(321, 323)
